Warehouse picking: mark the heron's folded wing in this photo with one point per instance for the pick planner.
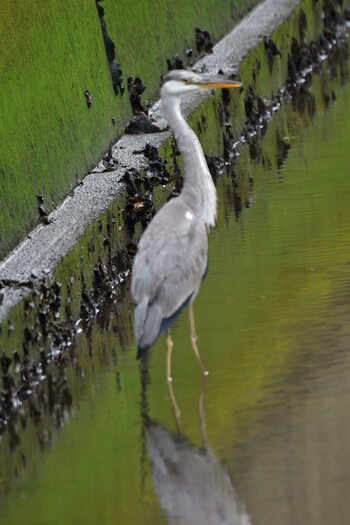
(171, 260)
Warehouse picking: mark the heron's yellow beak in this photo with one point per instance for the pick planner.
(220, 84)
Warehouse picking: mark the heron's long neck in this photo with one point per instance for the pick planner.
(198, 190)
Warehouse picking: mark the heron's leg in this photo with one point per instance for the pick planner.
(193, 337)
(169, 347)
(201, 410)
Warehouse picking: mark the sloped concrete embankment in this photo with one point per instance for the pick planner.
(63, 84)
(271, 52)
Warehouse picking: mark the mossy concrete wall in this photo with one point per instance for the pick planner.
(50, 54)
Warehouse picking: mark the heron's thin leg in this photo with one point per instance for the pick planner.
(169, 347)
(201, 410)
(193, 337)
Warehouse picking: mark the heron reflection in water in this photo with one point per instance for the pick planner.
(172, 254)
(192, 486)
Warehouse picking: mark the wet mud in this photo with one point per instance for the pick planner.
(35, 356)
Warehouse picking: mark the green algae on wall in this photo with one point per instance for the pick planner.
(49, 56)
(158, 30)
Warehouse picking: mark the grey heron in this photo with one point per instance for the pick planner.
(171, 258)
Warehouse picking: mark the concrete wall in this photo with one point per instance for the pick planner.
(50, 54)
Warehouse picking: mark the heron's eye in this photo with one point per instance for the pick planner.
(193, 80)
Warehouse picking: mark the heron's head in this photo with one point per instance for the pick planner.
(179, 82)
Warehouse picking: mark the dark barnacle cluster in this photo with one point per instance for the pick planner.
(203, 41)
(44, 337)
(139, 206)
(176, 62)
(114, 66)
(141, 122)
(43, 213)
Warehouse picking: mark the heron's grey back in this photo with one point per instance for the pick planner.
(168, 268)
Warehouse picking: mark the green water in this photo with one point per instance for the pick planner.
(273, 324)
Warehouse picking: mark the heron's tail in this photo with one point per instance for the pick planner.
(142, 351)
(147, 323)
